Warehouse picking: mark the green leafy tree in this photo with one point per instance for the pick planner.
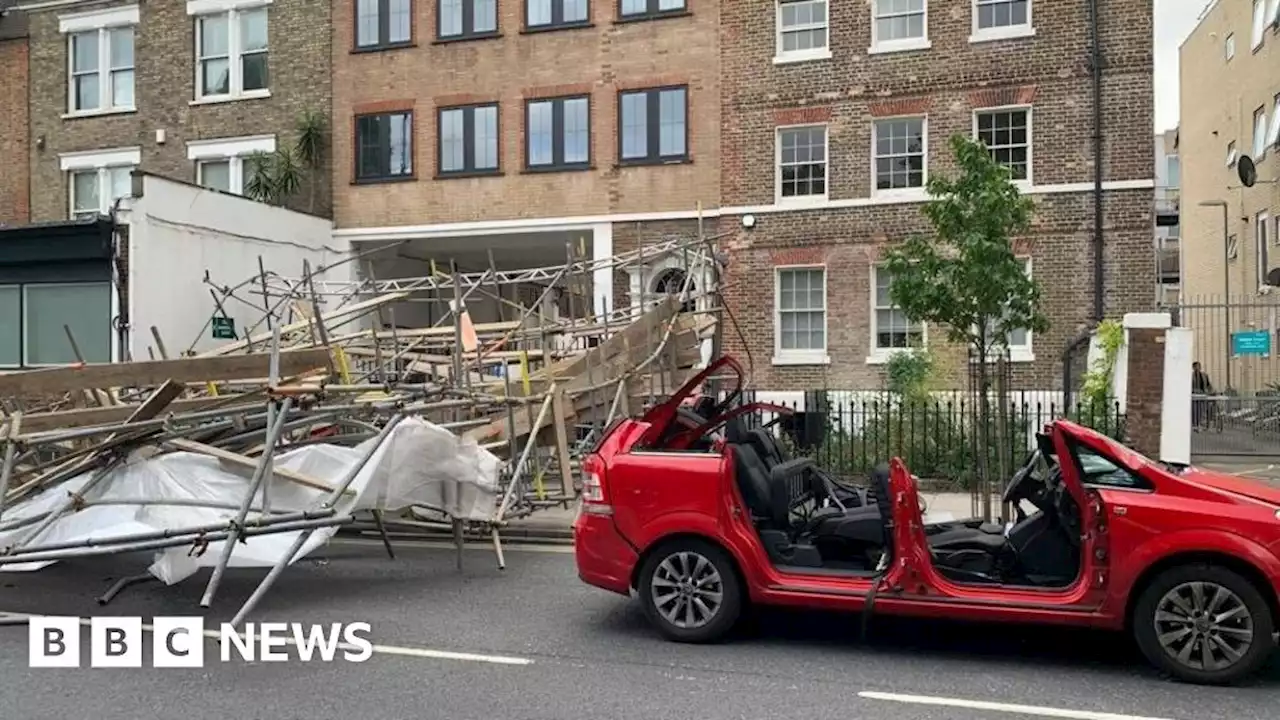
(964, 276)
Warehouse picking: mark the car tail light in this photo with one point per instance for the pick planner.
(594, 497)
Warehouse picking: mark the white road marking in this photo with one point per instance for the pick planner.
(379, 649)
(1032, 710)
(446, 545)
(1255, 471)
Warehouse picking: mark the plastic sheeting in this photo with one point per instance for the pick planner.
(418, 464)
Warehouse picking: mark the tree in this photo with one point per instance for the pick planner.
(965, 276)
(275, 177)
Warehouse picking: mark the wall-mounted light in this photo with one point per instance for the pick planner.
(40, 142)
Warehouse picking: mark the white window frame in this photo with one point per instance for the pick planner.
(1232, 154)
(1024, 185)
(1273, 137)
(879, 355)
(232, 150)
(914, 194)
(1259, 134)
(1008, 32)
(1229, 46)
(1259, 24)
(777, 167)
(101, 161)
(1018, 353)
(794, 356)
(1262, 258)
(901, 45)
(197, 9)
(26, 303)
(99, 21)
(781, 56)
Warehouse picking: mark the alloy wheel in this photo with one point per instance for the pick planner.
(687, 590)
(1204, 626)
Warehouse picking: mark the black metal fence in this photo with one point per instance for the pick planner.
(939, 437)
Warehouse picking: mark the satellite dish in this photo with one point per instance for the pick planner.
(1273, 277)
(1247, 171)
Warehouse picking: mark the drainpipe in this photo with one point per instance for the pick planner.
(1096, 62)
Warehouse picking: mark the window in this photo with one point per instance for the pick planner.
(1273, 13)
(802, 30)
(1098, 471)
(225, 164)
(1273, 138)
(559, 132)
(801, 306)
(85, 308)
(460, 19)
(384, 146)
(96, 179)
(1018, 340)
(995, 19)
(231, 49)
(1232, 155)
(10, 326)
(1229, 45)
(1173, 168)
(101, 71)
(802, 163)
(1007, 135)
(899, 148)
(1260, 233)
(469, 140)
(1259, 133)
(1259, 23)
(383, 23)
(891, 330)
(1233, 248)
(555, 13)
(653, 126)
(899, 25)
(640, 9)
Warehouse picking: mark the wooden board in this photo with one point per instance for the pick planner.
(155, 372)
(246, 465)
(46, 421)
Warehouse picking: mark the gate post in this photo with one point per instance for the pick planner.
(1144, 380)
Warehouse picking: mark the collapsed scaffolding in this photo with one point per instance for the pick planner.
(327, 414)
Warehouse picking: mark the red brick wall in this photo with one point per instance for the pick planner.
(15, 138)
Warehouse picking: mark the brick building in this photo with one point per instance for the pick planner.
(187, 90)
(805, 130)
(15, 188)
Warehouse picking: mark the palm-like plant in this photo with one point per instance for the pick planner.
(275, 177)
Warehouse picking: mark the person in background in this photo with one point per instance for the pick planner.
(1200, 386)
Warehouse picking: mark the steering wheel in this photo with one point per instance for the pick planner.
(1013, 492)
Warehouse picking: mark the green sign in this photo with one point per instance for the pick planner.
(224, 328)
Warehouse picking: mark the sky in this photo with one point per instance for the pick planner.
(1174, 20)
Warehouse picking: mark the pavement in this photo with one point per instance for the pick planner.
(533, 643)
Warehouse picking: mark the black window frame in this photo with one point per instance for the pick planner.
(653, 129)
(468, 23)
(557, 130)
(557, 18)
(468, 140)
(411, 150)
(384, 28)
(651, 11)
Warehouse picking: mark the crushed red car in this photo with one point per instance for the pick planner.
(700, 516)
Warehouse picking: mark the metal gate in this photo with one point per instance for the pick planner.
(1235, 401)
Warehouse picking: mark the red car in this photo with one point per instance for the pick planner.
(700, 517)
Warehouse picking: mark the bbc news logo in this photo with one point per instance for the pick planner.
(179, 642)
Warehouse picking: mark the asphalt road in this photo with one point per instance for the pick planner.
(540, 644)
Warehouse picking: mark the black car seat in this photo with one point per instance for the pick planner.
(767, 446)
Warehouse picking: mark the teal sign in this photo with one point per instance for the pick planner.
(1253, 342)
(224, 328)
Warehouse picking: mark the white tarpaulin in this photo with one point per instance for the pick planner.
(418, 464)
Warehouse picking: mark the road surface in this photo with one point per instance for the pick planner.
(533, 643)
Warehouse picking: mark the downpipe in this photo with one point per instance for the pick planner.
(1096, 63)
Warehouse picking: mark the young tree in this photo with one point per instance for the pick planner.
(965, 276)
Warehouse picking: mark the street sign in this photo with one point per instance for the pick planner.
(224, 328)
(1252, 342)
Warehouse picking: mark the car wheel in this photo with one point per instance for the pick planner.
(690, 591)
(1204, 624)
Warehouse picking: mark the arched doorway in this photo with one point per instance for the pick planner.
(671, 282)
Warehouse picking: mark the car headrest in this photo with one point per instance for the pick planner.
(766, 445)
(735, 431)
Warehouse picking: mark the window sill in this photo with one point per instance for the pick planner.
(900, 46)
(383, 48)
(467, 38)
(906, 195)
(1016, 355)
(1004, 33)
(882, 356)
(799, 57)
(800, 359)
(97, 113)
(556, 169)
(628, 19)
(466, 174)
(218, 99)
(653, 162)
(538, 29)
(383, 181)
(802, 201)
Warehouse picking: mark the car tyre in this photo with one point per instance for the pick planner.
(1182, 600)
(690, 591)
